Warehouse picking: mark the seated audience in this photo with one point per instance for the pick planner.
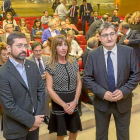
(45, 19)
(9, 19)
(51, 31)
(109, 17)
(76, 50)
(47, 46)
(4, 54)
(97, 35)
(55, 4)
(37, 29)
(22, 23)
(135, 21)
(9, 29)
(71, 26)
(94, 18)
(65, 29)
(55, 15)
(128, 17)
(115, 18)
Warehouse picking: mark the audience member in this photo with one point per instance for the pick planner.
(71, 26)
(115, 18)
(22, 23)
(85, 12)
(55, 15)
(111, 73)
(58, 20)
(6, 5)
(61, 10)
(74, 12)
(37, 29)
(97, 35)
(24, 30)
(128, 18)
(109, 17)
(9, 19)
(55, 4)
(65, 29)
(41, 61)
(9, 29)
(94, 18)
(130, 38)
(135, 21)
(21, 112)
(64, 87)
(51, 31)
(95, 25)
(76, 50)
(45, 19)
(4, 54)
(47, 46)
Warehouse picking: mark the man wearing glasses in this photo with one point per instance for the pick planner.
(111, 73)
(21, 92)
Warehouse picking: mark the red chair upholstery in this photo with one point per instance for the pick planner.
(45, 26)
(83, 47)
(81, 40)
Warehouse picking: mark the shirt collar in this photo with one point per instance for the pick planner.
(37, 58)
(128, 31)
(89, 48)
(114, 50)
(51, 30)
(15, 63)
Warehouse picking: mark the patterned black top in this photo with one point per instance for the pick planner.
(64, 76)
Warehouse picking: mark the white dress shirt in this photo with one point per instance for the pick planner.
(53, 33)
(76, 49)
(113, 56)
(37, 62)
(61, 10)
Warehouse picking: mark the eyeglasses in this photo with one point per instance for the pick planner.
(21, 46)
(112, 34)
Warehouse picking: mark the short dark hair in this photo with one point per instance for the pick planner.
(106, 25)
(35, 44)
(44, 11)
(11, 38)
(84, 0)
(125, 25)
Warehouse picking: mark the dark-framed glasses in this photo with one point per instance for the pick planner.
(112, 34)
(20, 45)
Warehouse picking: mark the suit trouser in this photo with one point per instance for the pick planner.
(32, 135)
(74, 20)
(46, 105)
(122, 122)
(84, 19)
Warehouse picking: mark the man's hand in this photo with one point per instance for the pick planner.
(43, 76)
(33, 128)
(77, 56)
(78, 11)
(117, 95)
(38, 120)
(87, 11)
(108, 96)
(126, 41)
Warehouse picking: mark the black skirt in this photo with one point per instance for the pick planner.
(61, 122)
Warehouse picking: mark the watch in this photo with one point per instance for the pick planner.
(75, 101)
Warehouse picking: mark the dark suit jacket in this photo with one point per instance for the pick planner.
(128, 74)
(93, 27)
(18, 100)
(84, 56)
(75, 12)
(7, 5)
(92, 19)
(65, 34)
(134, 41)
(89, 8)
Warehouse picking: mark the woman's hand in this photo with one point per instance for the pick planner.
(72, 106)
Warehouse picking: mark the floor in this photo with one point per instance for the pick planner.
(89, 127)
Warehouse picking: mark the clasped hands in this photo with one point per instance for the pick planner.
(69, 107)
(113, 97)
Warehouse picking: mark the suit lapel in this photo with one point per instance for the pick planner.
(119, 61)
(129, 34)
(102, 61)
(15, 73)
(28, 73)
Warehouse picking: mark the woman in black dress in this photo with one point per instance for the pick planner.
(64, 87)
(4, 54)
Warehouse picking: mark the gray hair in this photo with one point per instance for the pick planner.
(106, 25)
(125, 25)
(70, 32)
(105, 17)
(92, 42)
(6, 26)
(51, 22)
